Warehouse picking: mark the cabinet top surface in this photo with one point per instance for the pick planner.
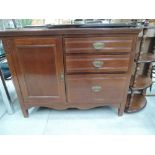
(66, 31)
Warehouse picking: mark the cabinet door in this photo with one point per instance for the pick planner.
(39, 67)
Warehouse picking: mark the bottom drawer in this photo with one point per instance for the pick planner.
(105, 89)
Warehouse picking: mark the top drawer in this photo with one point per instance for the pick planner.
(98, 44)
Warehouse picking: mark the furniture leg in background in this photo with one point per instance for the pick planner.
(5, 100)
(5, 94)
(139, 83)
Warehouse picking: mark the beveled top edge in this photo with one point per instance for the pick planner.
(64, 31)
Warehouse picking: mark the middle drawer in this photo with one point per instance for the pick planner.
(97, 63)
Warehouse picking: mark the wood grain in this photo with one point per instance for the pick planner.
(84, 63)
(138, 103)
(85, 44)
(54, 67)
(39, 67)
(79, 88)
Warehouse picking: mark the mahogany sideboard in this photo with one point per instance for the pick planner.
(64, 68)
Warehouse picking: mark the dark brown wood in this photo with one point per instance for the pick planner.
(39, 64)
(137, 104)
(97, 63)
(142, 82)
(48, 72)
(8, 46)
(103, 89)
(69, 31)
(141, 51)
(111, 44)
(139, 82)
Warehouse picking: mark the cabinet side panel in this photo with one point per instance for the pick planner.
(9, 48)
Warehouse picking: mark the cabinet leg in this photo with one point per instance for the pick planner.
(25, 113)
(121, 109)
(120, 112)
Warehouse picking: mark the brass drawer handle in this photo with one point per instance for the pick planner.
(98, 45)
(97, 63)
(96, 89)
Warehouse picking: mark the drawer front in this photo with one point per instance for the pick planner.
(104, 89)
(98, 44)
(97, 63)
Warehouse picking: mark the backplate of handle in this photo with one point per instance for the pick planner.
(96, 89)
(98, 45)
(97, 63)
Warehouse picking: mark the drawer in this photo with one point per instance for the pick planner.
(97, 63)
(98, 44)
(98, 88)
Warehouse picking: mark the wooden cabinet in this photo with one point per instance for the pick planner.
(39, 69)
(62, 68)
